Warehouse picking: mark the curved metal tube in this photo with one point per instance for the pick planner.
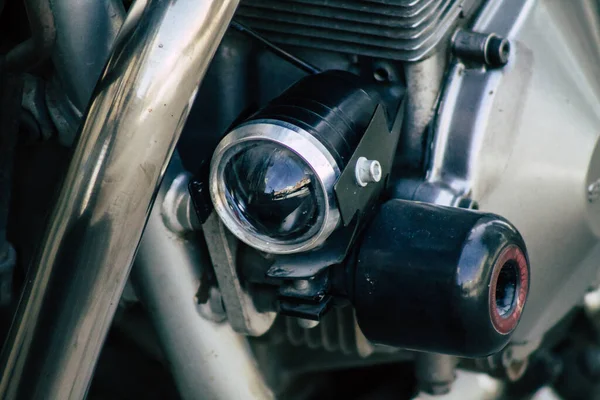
(127, 139)
(208, 360)
(85, 34)
(43, 33)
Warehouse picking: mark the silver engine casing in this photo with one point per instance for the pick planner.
(522, 141)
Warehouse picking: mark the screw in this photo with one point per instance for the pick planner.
(367, 171)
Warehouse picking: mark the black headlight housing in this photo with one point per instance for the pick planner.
(272, 178)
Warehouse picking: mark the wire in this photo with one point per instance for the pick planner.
(278, 51)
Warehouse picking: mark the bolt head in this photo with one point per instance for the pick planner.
(367, 171)
(497, 51)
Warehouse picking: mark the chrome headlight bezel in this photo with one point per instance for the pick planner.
(303, 144)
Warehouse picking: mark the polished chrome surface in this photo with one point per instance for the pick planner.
(523, 142)
(208, 360)
(309, 149)
(133, 123)
(178, 210)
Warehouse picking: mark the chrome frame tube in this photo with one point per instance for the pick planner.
(128, 136)
(208, 360)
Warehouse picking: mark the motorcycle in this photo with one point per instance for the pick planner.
(303, 199)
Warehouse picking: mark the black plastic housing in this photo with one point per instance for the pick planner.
(333, 106)
(428, 277)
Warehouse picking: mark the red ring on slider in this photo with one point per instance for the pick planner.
(510, 257)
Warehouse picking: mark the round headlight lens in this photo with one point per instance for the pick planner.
(272, 184)
(274, 193)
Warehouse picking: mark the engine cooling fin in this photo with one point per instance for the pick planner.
(404, 30)
(335, 333)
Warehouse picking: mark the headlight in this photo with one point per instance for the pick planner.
(272, 185)
(272, 178)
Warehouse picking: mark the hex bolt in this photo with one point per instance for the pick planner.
(497, 51)
(489, 49)
(367, 171)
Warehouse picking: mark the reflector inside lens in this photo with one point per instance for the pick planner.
(274, 192)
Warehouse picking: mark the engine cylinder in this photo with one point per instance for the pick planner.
(440, 279)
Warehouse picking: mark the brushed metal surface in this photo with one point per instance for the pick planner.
(523, 142)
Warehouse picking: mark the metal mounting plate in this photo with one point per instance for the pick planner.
(378, 143)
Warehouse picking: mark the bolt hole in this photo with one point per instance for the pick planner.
(381, 74)
(376, 171)
(506, 289)
(505, 49)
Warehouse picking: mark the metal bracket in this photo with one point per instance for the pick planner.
(242, 314)
(378, 143)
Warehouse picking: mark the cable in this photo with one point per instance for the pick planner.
(278, 51)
